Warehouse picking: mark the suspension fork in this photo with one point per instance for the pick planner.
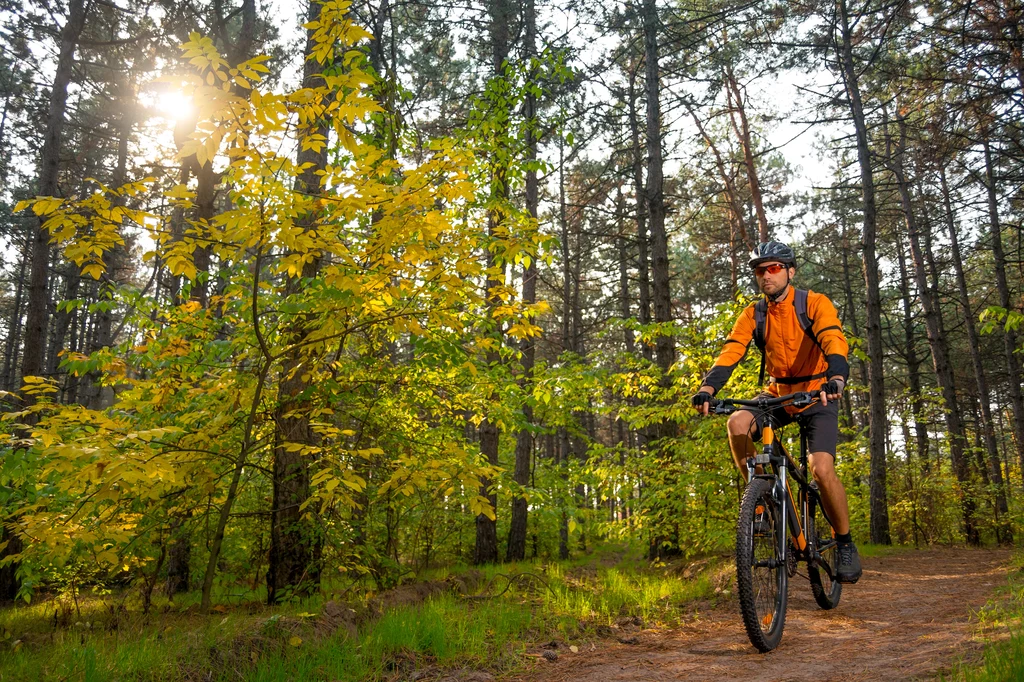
(783, 494)
(780, 491)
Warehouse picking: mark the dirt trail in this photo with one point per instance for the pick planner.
(908, 618)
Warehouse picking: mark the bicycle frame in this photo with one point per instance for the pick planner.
(795, 517)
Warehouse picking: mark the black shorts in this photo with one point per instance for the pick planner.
(819, 423)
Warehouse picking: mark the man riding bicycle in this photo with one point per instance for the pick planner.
(803, 349)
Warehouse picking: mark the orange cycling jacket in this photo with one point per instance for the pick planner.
(793, 361)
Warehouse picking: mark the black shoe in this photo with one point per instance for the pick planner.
(849, 563)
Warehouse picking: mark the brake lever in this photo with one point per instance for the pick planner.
(718, 407)
(805, 399)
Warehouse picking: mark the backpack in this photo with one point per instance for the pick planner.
(806, 323)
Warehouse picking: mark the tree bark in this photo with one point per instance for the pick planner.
(11, 349)
(1004, 534)
(524, 438)
(501, 14)
(295, 545)
(49, 167)
(944, 376)
(731, 193)
(37, 309)
(1015, 374)
(742, 128)
(878, 424)
(913, 362)
(640, 192)
(664, 343)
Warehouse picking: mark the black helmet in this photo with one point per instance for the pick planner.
(772, 251)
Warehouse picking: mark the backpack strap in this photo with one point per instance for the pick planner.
(806, 323)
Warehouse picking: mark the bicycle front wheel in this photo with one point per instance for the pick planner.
(826, 590)
(761, 576)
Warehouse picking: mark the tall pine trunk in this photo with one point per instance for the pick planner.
(878, 424)
(1015, 374)
(944, 376)
(524, 439)
(639, 193)
(742, 129)
(664, 343)
(913, 361)
(1004, 534)
(34, 342)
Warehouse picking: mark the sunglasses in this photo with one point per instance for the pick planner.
(773, 269)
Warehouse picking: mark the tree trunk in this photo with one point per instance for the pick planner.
(501, 14)
(664, 343)
(295, 546)
(742, 129)
(62, 319)
(1004, 534)
(49, 167)
(524, 439)
(621, 245)
(855, 417)
(944, 376)
(14, 327)
(1015, 375)
(640, 192)
(34, 341)
(731, 192)
(96, 396)
(913, 362)
(878, 425)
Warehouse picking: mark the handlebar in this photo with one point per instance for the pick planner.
(730, 405)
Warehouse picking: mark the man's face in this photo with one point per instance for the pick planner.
(772, 277)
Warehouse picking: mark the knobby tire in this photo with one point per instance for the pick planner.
(762, 590)
(826, 591)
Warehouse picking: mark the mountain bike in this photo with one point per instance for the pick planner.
(766, 555)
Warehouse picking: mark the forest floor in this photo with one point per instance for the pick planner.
(604, 616)
(913, 615)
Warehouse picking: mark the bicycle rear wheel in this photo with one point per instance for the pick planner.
(826, 591)
(761, 576)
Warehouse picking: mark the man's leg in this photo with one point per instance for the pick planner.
(821, 426)
(741, 424)
(833, 495)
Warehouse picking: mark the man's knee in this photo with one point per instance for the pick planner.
(822, 466)
(740, 423)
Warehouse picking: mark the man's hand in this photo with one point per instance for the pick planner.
(702, 399)
(832, 390)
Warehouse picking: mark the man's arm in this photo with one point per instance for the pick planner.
(828, 330)
(733, 350)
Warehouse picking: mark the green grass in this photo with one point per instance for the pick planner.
(868, 550)
(1001, 627)
(567, 601)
